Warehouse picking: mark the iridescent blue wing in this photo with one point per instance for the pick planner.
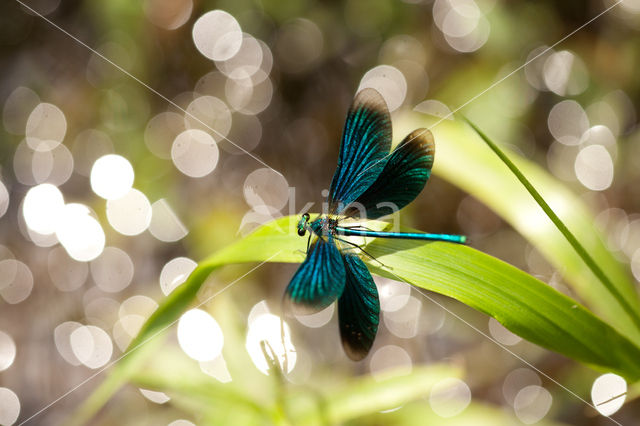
(366, 141)
(358, 309)
(320, 278)
(403, 177)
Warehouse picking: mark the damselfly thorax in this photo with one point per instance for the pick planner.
(323, 226)
(371, 175)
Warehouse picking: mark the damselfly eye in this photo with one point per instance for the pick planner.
(302, 231)
(306, 216)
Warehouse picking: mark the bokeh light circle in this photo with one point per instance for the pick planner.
(4, 199)
(46, 127)
(112, 271)
(53, 166)
(261, 95)
(66, 273)
(594, 167)
(265, 188)
(394, 295)
(500, 333)
(155, 396)
(19, 286)
(175, 272)
(404, 322)
(389, 82)
(199, 335)
(80, 233)
(608, 387)
(217, 35)
(434, 108)
(138, 305)
(126, 328)
(9, 406)
(91, 345)
(390, 357)
(567, 122)
(112, 176)
(246, 62)
(165, 224)
(62, 339)
(449, 397)
(7, 351)
(565, 74)
(168, 14)
(532, 403)
(181, 422)
(42, 208)
(317, 319)
(516, 380)
(209, 114)
(195, 153)
(216, 368)
(131, 214)
(270, 329)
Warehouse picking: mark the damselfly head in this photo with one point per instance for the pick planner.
(302, 224)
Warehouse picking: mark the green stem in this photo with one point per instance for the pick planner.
(588, 260)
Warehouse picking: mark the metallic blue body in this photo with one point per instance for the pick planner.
(368, 179)
(460, 239)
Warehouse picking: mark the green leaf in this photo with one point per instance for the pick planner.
(522, 303)
(566, 233)
(304, 404)
(475, 414)
(463, 159)
(361, 398)
(367, 395)
(257, 397)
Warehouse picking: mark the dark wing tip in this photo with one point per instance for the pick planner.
(372, 99)
(422, 138)
(356, 349)
(358, 310)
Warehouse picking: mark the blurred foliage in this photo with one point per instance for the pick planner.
(471, 192)
(523, 304)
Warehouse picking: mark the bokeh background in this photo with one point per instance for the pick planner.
(210, 118)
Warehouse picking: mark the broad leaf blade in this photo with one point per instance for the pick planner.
(485, 177)
(522, 303)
